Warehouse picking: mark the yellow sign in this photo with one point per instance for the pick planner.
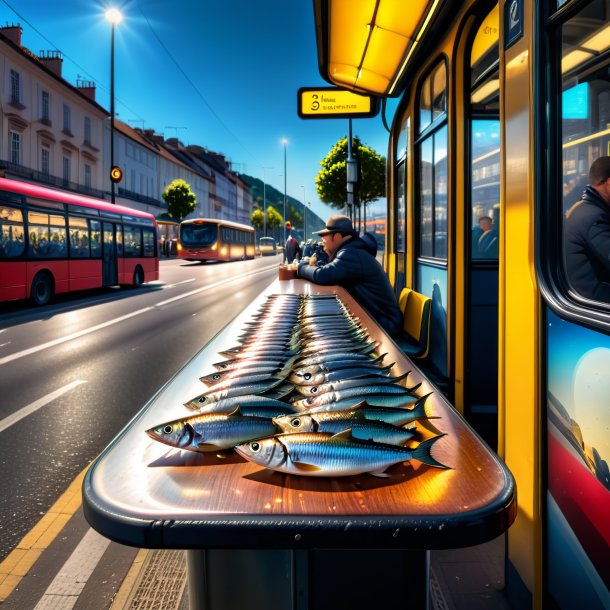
(334, 103)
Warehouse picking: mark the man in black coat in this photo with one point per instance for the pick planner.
(587, 236)
(353, 267)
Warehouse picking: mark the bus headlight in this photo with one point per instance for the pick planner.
(224, 251)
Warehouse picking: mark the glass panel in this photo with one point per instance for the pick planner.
(133, 241)
(485, 188)
(439, 91)
(148, 242)
(585, 133)
(426, 171)
(401, 209)
(199, 235)
(425, 106)
(12, 239)
(401, 144)
(96, 239)
(440, 193)
(10, 214)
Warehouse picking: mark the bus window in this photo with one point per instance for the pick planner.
(79, 237)
(198, 235)
(47, 235)
(148, 241)
(96, 238)
(12, 236)
(133, 240)
(585, 136)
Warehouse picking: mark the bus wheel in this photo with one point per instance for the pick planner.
(42, 289)
(138, 277)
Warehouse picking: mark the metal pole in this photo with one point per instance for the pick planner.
(284, 193)
(264, 205)
(112, 192)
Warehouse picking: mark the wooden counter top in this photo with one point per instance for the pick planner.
(143, 493)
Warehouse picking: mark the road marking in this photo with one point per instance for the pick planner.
(68, 584)
(19, 561)
(92, 329)
(178, 283)
(7, 422)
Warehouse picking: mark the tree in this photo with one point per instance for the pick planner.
(274, 218)
(257, 218)
(331, 180)
(179, 198)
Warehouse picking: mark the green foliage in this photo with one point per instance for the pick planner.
(331, 180)
(179, 198)
(257, 218)
(274, 218)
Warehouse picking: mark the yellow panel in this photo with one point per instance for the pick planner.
(401, 17)
(343, 74)
(348, 30)
(487, 36)
(371, 81)
(384, 52)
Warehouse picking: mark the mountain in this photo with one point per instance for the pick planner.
(294, 207)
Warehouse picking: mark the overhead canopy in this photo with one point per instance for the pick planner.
(365, 45)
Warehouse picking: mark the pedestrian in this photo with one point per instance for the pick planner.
(292, 250)
(587, 236)
(352, 266)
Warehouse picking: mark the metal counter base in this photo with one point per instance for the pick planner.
(303, 580)
(258, 539)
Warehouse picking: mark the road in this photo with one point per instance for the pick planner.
(73, 373)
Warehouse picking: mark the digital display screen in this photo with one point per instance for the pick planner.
(575, 102)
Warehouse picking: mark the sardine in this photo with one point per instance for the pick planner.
(212, 432)
(354, 372)
(259, 387)
(326, 359)
(343, 383)
(375, 395)
(321, 454)
(336, 421)
(263, 360)
(227, 405)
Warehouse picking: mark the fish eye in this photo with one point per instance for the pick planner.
(256, 447)
(307, 376)
(313, 390)
(295, 422)
(216, 376)
(167, 429)
(202, 399)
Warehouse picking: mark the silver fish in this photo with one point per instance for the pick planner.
(343, 383)
(375, 396)
(354, 372)
(326, 359)
(212, 432)
(227, 405)
(321, 454)
(205, 398)
(334, 422)
(236, 363)
(242, 371)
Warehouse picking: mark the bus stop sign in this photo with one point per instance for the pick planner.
(335, 103)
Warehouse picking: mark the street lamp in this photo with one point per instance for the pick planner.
(114, 16)
(284, 142)
(265, 201)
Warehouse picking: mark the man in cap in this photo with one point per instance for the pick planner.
(352, 266)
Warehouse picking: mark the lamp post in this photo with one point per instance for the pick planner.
(265, 201)
(114, 16)
(304, 216)
(284, 142)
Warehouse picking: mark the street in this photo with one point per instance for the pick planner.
(73, 373)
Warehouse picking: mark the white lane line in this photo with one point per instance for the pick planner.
(92, 329)
(7, 422)
(69, 583)
(179, 283)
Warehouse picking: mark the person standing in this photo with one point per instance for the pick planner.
(353, 267)
(587, 236)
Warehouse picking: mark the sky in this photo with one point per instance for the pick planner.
(222, 74)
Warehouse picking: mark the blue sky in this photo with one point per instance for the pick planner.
(221, 74)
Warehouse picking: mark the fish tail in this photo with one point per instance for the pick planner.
(422, 453)
(419, 409)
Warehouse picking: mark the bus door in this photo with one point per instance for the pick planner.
(109, 256)
(482, 225)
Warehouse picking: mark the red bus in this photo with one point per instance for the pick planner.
(205, 239)
(52, 242)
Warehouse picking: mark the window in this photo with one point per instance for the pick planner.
(45, 106)
(485, 140)
(79, 237)
(14, 147)
(402, 152)
(149, 241)
(15, 87)
(95, 238)
(132, 238)
(47, 235)
(432, 183)
(12, 235)
(87, 175)
(87, 127)
(45, 160)
(67, 119)
(583, 72)
(66, 167)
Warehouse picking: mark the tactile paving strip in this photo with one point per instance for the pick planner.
(161, 583)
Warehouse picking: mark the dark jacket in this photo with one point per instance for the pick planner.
(353, 268)
(587, 246)
(292, 249)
